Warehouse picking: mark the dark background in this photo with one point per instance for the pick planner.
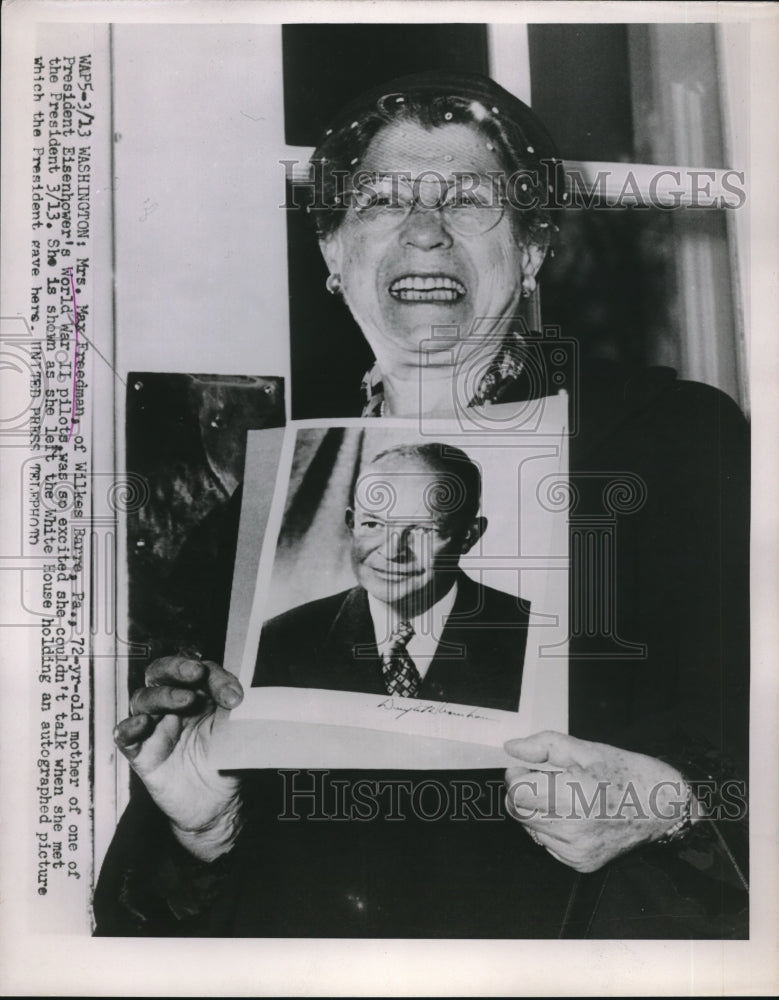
(186, 440)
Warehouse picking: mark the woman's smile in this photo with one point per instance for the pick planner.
(415, 288)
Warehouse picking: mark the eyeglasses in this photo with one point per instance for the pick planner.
(470, 205)
(369, 526)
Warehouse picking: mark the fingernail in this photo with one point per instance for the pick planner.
(231, 696)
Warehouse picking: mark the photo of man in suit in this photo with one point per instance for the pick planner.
(415, 625)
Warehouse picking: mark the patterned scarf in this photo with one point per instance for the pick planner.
(502, 372)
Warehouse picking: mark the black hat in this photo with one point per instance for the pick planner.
(496, 102)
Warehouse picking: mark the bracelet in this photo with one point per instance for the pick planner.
(683, 825)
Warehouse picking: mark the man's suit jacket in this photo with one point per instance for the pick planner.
(330, 644)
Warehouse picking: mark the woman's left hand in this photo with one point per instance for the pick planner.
(587, 803)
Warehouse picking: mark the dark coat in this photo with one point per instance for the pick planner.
(330, 644)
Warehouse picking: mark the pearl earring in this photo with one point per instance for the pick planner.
(333, 283)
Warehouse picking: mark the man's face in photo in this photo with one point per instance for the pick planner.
(407, 532)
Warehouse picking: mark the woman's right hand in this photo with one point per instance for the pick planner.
(167, 739)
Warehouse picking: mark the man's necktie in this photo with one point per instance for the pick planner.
(401, 677)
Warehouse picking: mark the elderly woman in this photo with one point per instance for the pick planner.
(435, 203)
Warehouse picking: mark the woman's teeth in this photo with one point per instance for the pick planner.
(436, 288)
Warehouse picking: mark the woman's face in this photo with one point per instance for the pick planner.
(419, 280)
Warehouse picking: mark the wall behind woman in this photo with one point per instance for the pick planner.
(199, 232)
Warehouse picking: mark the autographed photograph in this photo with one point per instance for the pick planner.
(382, 416)
(401, 574)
